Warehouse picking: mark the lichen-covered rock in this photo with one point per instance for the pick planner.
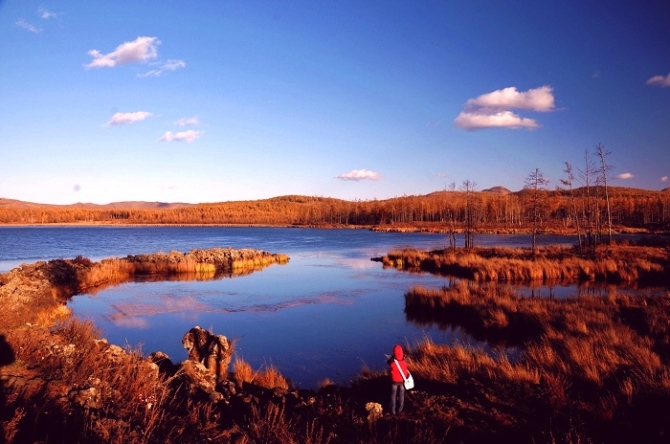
(199, 378)
(88, 397)
(213, 351)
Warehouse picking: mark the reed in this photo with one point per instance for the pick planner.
(267, 377)
(616, 264)
(599, 359)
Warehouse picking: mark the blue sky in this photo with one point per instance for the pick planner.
(237, 100)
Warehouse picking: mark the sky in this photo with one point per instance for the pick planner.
(215, 101)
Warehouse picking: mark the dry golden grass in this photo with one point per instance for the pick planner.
(49, 317)
(268, 377)
(90, 391)
(243, 371)
(600, 359)
(617, 264)
(202, 264)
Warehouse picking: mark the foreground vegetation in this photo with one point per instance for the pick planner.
(591, 369)
(577, 370)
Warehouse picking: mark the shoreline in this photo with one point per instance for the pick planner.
(386, 228)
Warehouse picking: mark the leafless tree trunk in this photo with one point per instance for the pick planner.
(535, 182)
(568, 181)
(469, 187)
(588, 208)
(604, 168)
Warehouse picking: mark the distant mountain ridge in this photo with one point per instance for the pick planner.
(125, 205)
(142, 205)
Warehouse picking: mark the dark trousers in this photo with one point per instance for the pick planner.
(397, 393)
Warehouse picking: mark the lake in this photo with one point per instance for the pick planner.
(326, 314)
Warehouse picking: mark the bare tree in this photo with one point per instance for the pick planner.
(536, 182)
(568, 181)
(587, 178)
(469, 186)
(604, 168)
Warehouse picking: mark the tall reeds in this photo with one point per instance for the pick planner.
(615, 264)
(599, 359)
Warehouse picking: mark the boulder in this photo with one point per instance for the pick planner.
(213, 351)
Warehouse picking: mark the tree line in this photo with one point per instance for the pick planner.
(464, 210)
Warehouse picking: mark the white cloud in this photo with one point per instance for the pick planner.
(357, 175)
(660, 81)
(27, 26)
(139, 50)
(183, 136)
(46, 14)
(128, 118)
(539, 99)
(187, 121)
(625, 176)
(502, 119)
(170, 65)
(664, 179)
(493, 110)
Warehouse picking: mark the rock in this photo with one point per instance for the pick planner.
(213, 351)
(87, 398)
(198, 376)
(162, 360)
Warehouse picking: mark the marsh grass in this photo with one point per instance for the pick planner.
(613, 263)
(267, 377)
(599, 359)
(90, 391)
(198, 264)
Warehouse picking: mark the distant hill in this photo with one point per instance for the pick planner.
(498, 189)
(130, 205)
(291, 199)
(136, 205)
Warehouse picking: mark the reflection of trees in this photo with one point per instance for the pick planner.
(182, 277)
(466, 318)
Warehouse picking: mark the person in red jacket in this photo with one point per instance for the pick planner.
(397, 380)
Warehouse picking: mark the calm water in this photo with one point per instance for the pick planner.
(327, 313)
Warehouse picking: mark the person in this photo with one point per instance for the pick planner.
(397, 380)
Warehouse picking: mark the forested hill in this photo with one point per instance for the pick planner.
(493, 208)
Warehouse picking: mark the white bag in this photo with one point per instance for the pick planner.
(409, 381)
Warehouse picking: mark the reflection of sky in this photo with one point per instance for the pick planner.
(322, 315)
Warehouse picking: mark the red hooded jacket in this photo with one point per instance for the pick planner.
(395, 374)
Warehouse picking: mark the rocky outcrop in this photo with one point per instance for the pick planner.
(214, 352)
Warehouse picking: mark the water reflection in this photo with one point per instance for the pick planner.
(323, 315)
(488, 323)
(204, 275)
